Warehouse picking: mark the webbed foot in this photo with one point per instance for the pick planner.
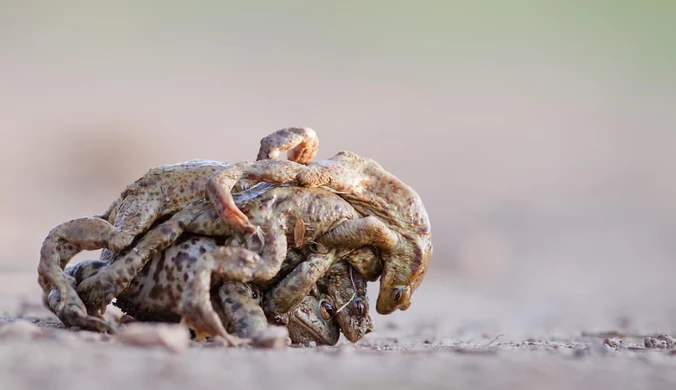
(98, 292)
(74, 314)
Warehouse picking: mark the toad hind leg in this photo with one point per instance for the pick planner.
(359, 232)
(300, 142)
(99, 290)
(197, 311)
(241, 309)
(245, 317)
(64, 242)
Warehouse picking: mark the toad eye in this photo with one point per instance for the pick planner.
(396, 294)
(360, 307)
(326, 310)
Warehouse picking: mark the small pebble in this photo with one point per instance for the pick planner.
(612, 343)
(660, 342)
(273, 337)
(174, 337)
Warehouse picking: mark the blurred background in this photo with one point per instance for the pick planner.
(539, 134)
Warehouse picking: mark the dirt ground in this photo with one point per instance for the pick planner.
(451, 350)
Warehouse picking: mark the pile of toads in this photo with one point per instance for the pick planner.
(233, 250)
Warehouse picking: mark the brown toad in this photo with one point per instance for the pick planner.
(395, 220)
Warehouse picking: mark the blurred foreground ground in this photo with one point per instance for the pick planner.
(427, 352)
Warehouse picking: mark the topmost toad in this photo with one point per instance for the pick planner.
(395, 220)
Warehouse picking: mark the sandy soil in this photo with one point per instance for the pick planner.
(410, 352)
